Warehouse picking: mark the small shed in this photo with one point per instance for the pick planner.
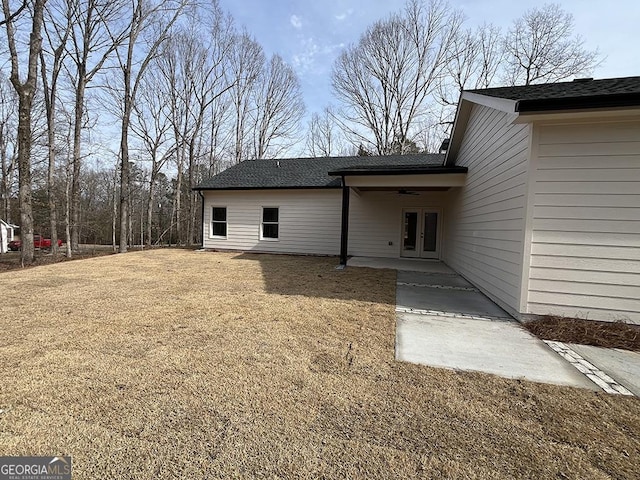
(7, 232)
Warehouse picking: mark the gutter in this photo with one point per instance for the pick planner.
(579, 103)
(223, 189)
(400, 171)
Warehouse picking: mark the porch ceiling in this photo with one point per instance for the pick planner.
(408, 181)
(409, 189)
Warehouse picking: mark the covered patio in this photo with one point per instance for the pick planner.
(396, 206)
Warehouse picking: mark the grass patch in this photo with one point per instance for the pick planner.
(177, 364)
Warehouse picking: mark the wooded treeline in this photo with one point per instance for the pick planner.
(112, 110)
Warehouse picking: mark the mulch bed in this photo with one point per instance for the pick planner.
(587, 332)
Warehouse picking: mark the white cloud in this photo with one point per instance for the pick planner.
(313, 57)
(304, 60)
(341, 16)
(296, 21)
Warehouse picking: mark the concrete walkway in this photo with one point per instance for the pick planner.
(621, 365)
(443, 321)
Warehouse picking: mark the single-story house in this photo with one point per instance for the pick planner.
(536, 201)
(7, 233)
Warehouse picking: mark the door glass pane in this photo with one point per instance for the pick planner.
(409, 241)
(430, 231)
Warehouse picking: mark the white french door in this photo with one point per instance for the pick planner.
(421, 233)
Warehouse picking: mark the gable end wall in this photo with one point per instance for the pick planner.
(485, 222)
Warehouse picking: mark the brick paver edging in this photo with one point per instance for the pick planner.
(593, 373)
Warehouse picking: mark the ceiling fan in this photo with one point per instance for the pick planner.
(407, 192)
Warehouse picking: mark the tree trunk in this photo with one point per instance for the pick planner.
(50, 107)
(178, 205)
(124, 167)
(77, 160)
(25, 93)
(114, 217)
(190, 205)
(150, 204)
(24, 177)
(67, 210)
(53, 217)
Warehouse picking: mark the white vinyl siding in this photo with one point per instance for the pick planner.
(375, 220)
(585, 249)
(308, 220)
(485, 222)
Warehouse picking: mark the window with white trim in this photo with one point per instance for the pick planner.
(219, 222)
(269, 229)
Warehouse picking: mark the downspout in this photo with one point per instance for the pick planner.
(344, 232)
(202, 216)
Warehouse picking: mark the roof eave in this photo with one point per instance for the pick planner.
(306, 187)
(396, 171)
(463, 113)
(631, 99)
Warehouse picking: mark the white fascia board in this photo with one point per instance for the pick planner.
(502, 104)
(467, 99)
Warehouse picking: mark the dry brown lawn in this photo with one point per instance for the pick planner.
(178, 364)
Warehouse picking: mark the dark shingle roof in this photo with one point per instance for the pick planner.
(310, 172)
(610, 92)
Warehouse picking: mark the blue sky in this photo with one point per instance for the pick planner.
(310, 34)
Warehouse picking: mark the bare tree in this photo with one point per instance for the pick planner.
(491, 54)
(57, 43)
(155, 19)
(279, 108)
(541, 48)
(245, 65)
(384, 82)
(477, 56)
(476, 61)
(8, 151)
(150, 122)
(93, 41)
(324, 138)
(26, 90)
(193, 65)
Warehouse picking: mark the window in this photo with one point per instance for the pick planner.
(219, 222)
(270, 223)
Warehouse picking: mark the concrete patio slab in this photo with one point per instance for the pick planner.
(621, 365)
(439, 279)
(442, 321)
(465, 302)
(501, 347)
(405, 264)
